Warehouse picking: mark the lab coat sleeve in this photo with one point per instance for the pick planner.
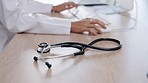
(32, 6)
(18, 20)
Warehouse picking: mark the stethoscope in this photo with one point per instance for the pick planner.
(45, 48)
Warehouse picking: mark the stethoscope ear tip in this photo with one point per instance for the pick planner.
(48, 65)
(35, 58)
(147, 75)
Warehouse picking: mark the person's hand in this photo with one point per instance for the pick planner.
(64, 6)
(90, 25)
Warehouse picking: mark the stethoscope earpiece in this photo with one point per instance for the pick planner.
(35, 58)
(46, 63)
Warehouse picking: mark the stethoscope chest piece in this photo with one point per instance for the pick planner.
(43, 48)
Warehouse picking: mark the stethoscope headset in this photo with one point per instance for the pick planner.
(45, 48)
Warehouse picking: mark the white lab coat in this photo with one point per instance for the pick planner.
(28, 16)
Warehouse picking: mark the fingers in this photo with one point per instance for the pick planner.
(96, 21)
(95, 27)
(88, 25)
(64, 6)
(69, 5)
(82, 26)
(92, 31)
(92, 26)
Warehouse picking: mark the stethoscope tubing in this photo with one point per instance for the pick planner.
(93, 42)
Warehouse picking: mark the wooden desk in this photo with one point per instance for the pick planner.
(128, 65)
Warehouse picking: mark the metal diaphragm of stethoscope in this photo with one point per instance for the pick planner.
(45, 48)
